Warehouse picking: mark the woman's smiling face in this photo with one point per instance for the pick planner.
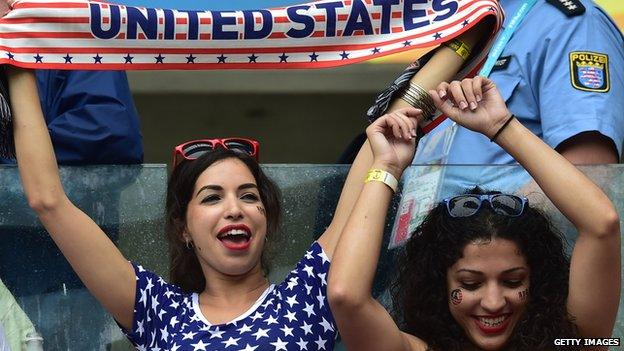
(226, 219)
(488, 291)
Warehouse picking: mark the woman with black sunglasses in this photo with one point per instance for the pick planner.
(221, 210)
(483, 271)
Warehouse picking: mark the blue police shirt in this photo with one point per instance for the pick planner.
(560, 76)
(91, 117)
(538, 84)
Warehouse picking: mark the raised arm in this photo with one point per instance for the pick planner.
(595, 284)
(96, 260)
(443, 66)
(363, 322)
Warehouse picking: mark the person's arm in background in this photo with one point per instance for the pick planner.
(582, 117)
(589, 148)
(91, 117)
(443, 65)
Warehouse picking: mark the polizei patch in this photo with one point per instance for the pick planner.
(589, 71)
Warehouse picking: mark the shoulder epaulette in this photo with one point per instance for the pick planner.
(571, 8)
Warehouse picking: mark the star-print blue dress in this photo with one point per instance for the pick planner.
(293, 315)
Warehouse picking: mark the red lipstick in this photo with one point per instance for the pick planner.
(488, 328)
(236, 237)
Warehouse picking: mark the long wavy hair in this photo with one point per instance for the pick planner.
(184, 268)
(420, 292)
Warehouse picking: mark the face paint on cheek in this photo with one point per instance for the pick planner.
(456, 297)
(261, 210)
(523, 294)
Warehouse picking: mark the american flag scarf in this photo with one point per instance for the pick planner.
(82, 34)
(79, 34)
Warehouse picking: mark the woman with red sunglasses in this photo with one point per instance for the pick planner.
(483, 271)
(221, 210)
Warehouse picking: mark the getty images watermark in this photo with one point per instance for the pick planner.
(588, 342)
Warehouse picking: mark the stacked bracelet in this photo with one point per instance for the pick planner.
(462, 49)
(379, 175)
(418, 97)
(500, 130)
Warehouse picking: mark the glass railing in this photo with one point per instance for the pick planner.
(44, 306)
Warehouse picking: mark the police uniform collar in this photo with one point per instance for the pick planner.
(571, 8)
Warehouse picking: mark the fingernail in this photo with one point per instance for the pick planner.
(473, 105)
(478, 98)
(442, 93)
(463, 105)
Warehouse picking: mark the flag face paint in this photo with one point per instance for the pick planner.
(75, 34)
(456, 297)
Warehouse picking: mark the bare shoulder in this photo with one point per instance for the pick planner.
(415, 344)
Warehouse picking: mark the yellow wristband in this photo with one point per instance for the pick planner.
(462, 49)
(379, 175)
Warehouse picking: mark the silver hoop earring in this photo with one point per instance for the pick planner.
(189, 244)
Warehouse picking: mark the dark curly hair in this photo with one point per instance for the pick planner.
(420, 292)
(184, 268)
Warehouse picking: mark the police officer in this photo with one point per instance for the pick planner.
(561, 75)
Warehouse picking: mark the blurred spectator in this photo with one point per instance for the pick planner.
(91, 117)
(4, 346)
(14, 324)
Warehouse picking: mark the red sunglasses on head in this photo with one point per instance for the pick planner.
(191, 150)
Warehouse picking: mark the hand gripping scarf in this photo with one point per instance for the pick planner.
(80, 34)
